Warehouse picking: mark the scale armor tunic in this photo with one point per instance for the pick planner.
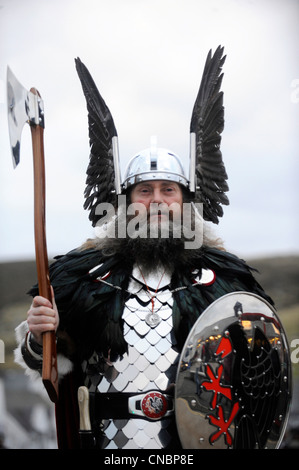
(149, 365)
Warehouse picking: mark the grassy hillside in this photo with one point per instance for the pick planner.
(279, 277)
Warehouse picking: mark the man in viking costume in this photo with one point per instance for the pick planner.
(125, 301)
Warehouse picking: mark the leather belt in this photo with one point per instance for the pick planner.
(152, 405)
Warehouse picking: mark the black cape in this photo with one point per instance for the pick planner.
(91, 311)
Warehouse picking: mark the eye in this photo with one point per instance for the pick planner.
(169, 189)
(144, 190)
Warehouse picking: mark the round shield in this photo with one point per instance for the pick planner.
(233, 387)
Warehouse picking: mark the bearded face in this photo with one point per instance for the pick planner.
(154, 225)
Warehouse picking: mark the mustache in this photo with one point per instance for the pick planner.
(155, 210)
(159, 213)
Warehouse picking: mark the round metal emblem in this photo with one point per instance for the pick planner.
(233, 387)
(154, 405)
(152, 319)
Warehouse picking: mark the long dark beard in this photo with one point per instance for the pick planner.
(150, 252)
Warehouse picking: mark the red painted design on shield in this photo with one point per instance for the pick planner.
(214, 385)
(223, 425)
(224, 347)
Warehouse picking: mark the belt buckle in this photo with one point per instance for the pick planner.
(152, 405)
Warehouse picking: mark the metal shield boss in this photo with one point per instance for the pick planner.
(233, 387)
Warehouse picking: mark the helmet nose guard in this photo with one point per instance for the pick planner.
(152, 165)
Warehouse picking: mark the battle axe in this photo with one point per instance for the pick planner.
(27, 106)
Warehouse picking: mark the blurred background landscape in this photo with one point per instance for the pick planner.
(26, 413)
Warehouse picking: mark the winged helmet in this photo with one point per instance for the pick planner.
(207, 182)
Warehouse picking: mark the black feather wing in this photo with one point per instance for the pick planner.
(100, 182)
(207, 123)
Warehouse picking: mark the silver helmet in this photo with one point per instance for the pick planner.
(154, 164)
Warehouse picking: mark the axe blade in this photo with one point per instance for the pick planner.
(22, 106)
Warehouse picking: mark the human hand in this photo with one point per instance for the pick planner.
(42, 316)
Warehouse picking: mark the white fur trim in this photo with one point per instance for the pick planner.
(64, 365)
(21, 331)
(33, 374)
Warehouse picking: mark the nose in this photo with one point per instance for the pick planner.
(157, 196)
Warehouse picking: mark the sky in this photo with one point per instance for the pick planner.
(147, 58)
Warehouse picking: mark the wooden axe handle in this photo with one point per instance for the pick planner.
(49, 372)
